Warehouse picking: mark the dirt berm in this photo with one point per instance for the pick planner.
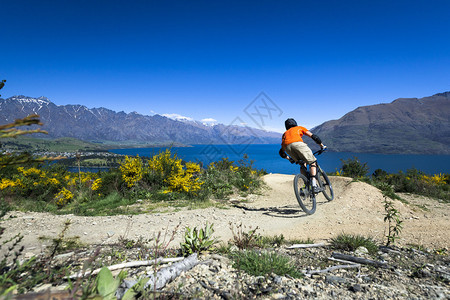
(357, 209)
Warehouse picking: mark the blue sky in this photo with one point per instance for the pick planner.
(315, 60)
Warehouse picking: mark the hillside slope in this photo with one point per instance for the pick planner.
(407, 125)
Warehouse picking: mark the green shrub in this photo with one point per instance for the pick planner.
(352, 167)
(225, 177)
(263, 263)
(350, 242)
(415, 182)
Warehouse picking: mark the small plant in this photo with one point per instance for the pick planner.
(106, 285)
(271, 241)
(395, 225)
(242, 239)
(350, 242)
(198, 240)
(257, 264)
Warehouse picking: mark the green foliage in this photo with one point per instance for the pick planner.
(271, 241)
(395, 225)
(415, 182)
(198, 240)
(263, 263)
(41, 187)
(301, 241)
(66, 144)
(350, 242)
(106, 284)
(352, 167)
(224, 177)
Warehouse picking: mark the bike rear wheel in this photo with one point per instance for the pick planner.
(325, 184)
(305, 196)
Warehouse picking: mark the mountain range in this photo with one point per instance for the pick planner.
(406, 125)
(104, 125)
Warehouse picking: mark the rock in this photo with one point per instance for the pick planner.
(361, 251)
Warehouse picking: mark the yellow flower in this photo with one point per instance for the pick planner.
(30, 171)
(132, 171)
(96, 184)
(53, 181)
(8, 183)
(192, 167)
(233, 168)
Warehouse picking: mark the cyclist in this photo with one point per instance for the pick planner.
(292, 144)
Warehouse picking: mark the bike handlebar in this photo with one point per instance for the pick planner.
(321, 150)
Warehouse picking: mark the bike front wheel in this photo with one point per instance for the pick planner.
(325, 184)
(305, 196)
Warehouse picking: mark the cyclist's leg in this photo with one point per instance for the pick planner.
(313, 170)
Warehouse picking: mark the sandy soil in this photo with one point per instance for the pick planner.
(357, 208)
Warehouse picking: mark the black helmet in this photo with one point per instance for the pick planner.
(289, 123)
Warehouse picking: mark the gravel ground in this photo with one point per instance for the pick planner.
(357, 209)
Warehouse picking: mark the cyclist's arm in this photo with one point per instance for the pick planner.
(315, 138)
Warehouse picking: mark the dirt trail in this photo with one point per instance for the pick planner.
(357, 209)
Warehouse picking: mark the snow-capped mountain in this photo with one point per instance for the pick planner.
(102, 124)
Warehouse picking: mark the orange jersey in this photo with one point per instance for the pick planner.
(293, 135)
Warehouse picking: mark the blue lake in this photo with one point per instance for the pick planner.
(266, 157)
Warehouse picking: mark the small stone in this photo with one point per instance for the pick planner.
(307, 289)
(355, 288)
(334, 279)
(278, 296)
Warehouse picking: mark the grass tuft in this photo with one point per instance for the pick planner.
(350, 242)
(263, 263)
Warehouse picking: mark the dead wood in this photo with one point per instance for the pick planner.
(306, 246)
(162, 277)
(131, 264)
(359, 260)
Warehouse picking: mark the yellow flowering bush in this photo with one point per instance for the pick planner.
(184, 180)
(63, 197)
(436, 179)
(132, 170)
(168, 169)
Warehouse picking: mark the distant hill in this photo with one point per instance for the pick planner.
(104, 125)
(406, 125)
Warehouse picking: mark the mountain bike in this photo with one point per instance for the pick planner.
(303, 185)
